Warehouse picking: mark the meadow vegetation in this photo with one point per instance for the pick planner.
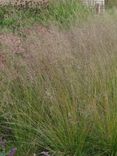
(111, 3)
(58, 80)
(62, 13)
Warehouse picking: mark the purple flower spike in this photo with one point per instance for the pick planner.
(12, 152)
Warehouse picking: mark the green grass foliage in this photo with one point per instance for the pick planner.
(58, 88)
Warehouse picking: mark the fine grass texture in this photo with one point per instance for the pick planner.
(58, 87)
(59, 90)
(62, 13)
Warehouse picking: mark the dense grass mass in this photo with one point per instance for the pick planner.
(61, 13)
(58, 87)
(111, 3)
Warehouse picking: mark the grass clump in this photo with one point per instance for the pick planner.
(59, 90)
